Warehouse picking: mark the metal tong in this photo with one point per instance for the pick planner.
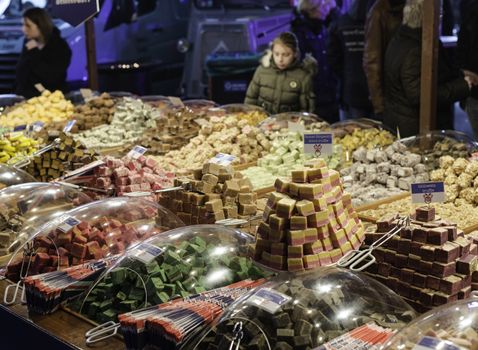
(237, 222)
(25, 161)
(359, 260)
(185, 187)
(28, 252)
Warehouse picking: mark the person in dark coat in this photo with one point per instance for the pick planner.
(283, 81)
(467, 58)
(345, 53)
(45, 56)
(403, 73)
(310, 24)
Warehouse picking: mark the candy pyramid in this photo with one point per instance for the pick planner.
(308, 222)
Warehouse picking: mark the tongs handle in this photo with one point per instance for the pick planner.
(17, 286)
(101, 332)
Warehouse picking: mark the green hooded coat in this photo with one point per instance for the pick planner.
(280, 91)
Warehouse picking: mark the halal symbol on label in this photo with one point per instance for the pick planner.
(428, 197)
(293, 84)
(318, 150)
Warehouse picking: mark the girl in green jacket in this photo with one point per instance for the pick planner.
(283, 83)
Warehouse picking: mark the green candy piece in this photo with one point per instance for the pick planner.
(129, 305)
(180, 286)
(160, 298)
(106, 305)
(93, 309)
(198, 241)
(118, 275)
(173, 274)
(172, 258)
(184, 294)
(157, 283)
(199, 289)
(152, 267)
(189, 283)
(136, 294)
(121, 296)
(170, 289)
(109, 315)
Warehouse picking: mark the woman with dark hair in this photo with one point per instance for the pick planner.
(45, 56)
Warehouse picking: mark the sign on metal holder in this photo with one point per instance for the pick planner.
(428, 192)
(318, 144)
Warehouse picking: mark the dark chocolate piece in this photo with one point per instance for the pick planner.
(419, 235)
(467, 264)
(384, 269)
(395, 272)
(413, 261)
(447, 253)
(437, 236)
(404, 246)
(452, 232)
(464, 245)
(403, 289)
(426, 297)
(451, 285)
(425, 214)
(443, 270)
(425, 267)
(415, 247)
(442, 299)
(407, 275)
(427, 252)
(406, 233)
(415, 293)
(433, 283)
(419, 280)
(401, 260)
(464, 293)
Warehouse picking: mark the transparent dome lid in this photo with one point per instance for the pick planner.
(10, 175)
(178, 263)
(199, 105)
(158, 101)
(282, 121)
(24, 208)
(305, 311)
(92, 231)
(76, 97)
(345, 127)
(453, 327)
(253, 114)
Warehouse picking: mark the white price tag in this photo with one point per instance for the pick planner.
(83, 169)
(176, 101)
(69, 125)
(37, 126)
(146, 252)
(318, 144)
(40, 87)
(428, 192)
(201, 121)
(68, 223)
(137, 152)
(295, 127)
(86, 94)
(223, 159)
(269, 300)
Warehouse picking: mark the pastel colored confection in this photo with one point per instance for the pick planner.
(305, 207)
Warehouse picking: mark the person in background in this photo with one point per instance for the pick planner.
(383, 20)
(403, 73)
(345, 53)
(467, 58)
(283, 81)
(310, 24)
(45, 56)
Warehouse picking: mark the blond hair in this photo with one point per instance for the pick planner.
(413, 13)
(289, 40)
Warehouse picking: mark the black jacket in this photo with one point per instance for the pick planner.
(345, 55)
(467, 49)
(47, 66)
(313, 36)
(402, 84)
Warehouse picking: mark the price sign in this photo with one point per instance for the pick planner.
(137, 152)
(68, 223)
(176, 101)
(269, 300)
(318, 144)
(146, 252)
(69, 126)
(223, 159)
(428, 192)
(40, 87)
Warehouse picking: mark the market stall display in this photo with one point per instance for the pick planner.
(178, 263)
(460, 177)
(308, 222)
(25, 208)
(436, 144)
(452, 326)
(10, 175)
(67, 154)
(92, 231)
(218, 135)
(49, 108)
(305, 311)
(216, 193)
(377, 174)
(429, 263)
(96, 111)
(130, 120)
(16, 146)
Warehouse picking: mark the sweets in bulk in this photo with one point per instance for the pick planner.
(111, 226)
(218, 135)
(130, 120)
(305, 311)
(252, 114)
(460, 177)
(127, 175)
(308, 222)
(377, 174)
(49, 108)
(180, 263)
(432, 151)
(453, 325)
(16, 146)
(430, 262)
(464, 215)
(94, 112)
(368, 138)
(175, 129)
(217, 193)
(69, 155)
(26, 207)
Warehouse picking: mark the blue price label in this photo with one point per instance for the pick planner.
(319, 144)
(137, 152)
(223, 159)
(269, 300)
(20, 128)
(428, 192)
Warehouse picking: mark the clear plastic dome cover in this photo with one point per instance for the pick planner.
(305, 311)
(10, 175)
(24, 208)
(158, 101)
(93, 231)
(178, 263)
(279, 122)
(452, 327)
(199, 106)
(348, 126)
